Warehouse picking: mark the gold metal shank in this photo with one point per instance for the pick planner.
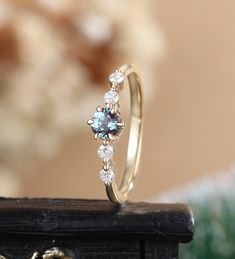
(120, 194)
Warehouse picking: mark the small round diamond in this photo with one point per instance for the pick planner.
(111, 97)
(116, 78)
(105, 152)
(107, 176)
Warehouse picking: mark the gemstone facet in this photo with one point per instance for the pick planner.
(116, 78)
(107, 176)
(105, 151)
(111, 97)
(105, 123)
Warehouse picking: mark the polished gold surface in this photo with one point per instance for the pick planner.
(119, 194)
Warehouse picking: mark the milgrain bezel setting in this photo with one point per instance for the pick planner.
(107, 126)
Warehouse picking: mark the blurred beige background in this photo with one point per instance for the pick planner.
(189, 127)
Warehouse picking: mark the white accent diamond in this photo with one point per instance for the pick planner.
(111, 97)
(107, 176)
(116, 78)
(105, 152)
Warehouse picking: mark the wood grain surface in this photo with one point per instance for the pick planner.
(93, 228)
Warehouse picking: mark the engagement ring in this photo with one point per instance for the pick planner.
(107, 124)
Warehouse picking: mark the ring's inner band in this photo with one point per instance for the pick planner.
(115, 194)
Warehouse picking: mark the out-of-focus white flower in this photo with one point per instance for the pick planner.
(56, 56)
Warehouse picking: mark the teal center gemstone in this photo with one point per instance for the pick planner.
(104, 122)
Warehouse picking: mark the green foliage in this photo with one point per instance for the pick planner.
(214, 215)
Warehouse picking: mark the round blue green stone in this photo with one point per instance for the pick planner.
(104, 122)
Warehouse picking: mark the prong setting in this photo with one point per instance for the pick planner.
(89, 122)
(98, 109)
(112, 137)
(106, 166)
(116, 78)
(106, 142)
(106, 124)
(121, 124)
